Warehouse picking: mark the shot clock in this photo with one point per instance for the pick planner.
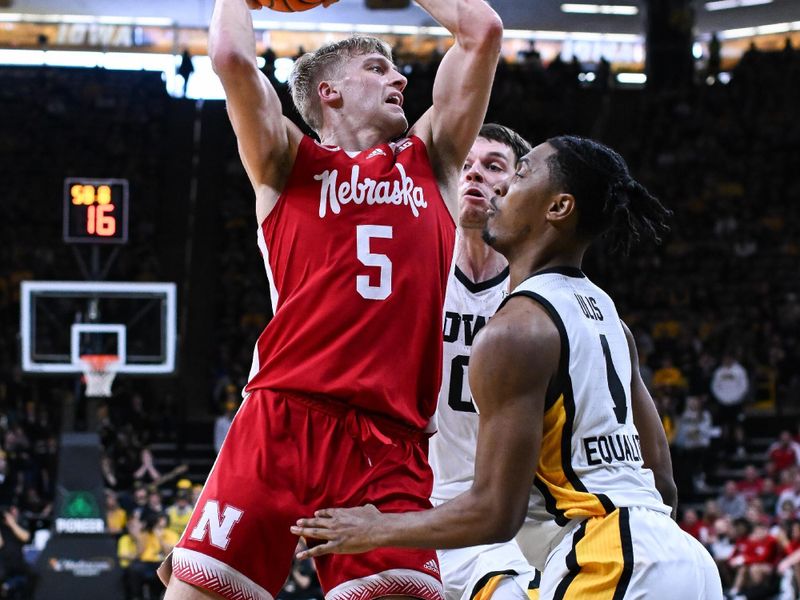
(95, 210)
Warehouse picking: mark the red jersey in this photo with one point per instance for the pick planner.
(764, 550)
(783, 457)
(357, 250)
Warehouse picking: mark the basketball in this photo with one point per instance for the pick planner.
(290, 5)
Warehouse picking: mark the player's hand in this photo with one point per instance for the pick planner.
(345, 530)
(254, 4)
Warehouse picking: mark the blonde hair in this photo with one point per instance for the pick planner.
(313, 67)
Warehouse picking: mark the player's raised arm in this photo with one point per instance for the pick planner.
(510, 370)
(267, 140)
(655, 448)
(462, 86)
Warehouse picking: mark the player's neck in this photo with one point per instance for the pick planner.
(476, 259)
(353, 139)
(537, 257)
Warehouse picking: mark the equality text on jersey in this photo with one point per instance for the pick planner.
(612, 448)
(334, 194)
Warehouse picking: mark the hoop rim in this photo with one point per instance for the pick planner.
(99, 362)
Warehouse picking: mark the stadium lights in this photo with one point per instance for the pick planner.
(745, 32)
(602, 9)
(727, 4)
(509, 34)
(632, 78)
(76, 19)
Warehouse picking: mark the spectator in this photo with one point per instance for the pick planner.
(731, 503)
(140, 508)
(223, 422)
(185, 69)
(181, 511)
(154, 502)
(789, 567)
(127, 553)
(8, 480)
(668, 375)
(721, 547)
(729, 385)
(196, 489)
(148, 466)
(755, 567)
(665, 407)
(692, 525)
(786, 512)
(116, 517)
(714, 56)
(769, 497)
(752, 484)
(786, 479)
(791, 495)
(784, 453)
(692, 443)
(154, 540)
(14, 573)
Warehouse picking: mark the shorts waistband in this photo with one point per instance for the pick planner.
(384, 428)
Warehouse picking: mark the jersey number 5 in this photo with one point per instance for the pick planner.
(364, 233)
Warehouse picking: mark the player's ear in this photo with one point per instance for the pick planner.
(329, 93)
(562, 208)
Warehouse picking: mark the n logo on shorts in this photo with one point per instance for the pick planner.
(218, 528)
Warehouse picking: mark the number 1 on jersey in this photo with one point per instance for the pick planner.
(614, 384)
(364, 233)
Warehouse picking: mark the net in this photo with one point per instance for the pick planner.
(99, 371)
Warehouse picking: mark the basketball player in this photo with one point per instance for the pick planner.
(357, 243)
(477, 285)
(555, 375)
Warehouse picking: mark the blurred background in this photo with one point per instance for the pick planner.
(120, 173)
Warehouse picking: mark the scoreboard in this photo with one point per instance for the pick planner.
(95, 210)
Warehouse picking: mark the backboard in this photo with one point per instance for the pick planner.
(60, 321)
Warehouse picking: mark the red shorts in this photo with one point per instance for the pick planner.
(286, 456)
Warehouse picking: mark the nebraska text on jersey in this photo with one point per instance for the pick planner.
(398, 192)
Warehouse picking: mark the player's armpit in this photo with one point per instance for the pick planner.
(655, 448)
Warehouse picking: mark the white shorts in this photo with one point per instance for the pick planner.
(474, 572)
(538, 538)
(632, 553)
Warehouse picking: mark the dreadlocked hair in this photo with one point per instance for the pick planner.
(608, 198)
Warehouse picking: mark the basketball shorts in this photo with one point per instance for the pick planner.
(632, 553)
(284, 457)
(478, 573)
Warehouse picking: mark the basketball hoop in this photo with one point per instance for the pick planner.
(99, 371)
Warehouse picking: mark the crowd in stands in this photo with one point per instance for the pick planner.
(715, 310)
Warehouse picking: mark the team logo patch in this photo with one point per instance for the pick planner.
(432, 566)
(376, 152)
(217, 527)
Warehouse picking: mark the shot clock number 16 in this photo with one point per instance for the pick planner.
(95, 210)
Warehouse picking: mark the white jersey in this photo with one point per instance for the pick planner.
(590, 461)
(467, 308)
